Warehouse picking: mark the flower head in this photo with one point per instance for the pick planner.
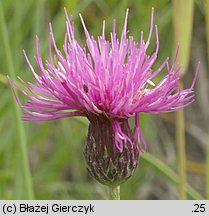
(108, 82)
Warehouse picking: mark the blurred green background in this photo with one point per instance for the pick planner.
(45, 160)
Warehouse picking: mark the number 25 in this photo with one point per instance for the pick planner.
(199, 207)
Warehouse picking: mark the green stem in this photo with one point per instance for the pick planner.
(182, 23)
(207, 24)
(181, 152)
(24, 163)
(114, 193)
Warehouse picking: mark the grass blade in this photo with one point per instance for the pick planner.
(170, 174)
(24, 164)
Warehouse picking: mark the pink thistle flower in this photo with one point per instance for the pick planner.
(108, 82)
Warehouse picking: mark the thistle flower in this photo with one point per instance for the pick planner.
(108, 82)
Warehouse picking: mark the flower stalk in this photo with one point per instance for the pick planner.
(114, 193)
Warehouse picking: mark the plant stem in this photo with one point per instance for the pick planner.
(207, 24)
(182, 23)
(181, 152)
(24, 171)
(114, 193)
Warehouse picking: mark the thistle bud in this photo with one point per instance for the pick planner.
(105, 162)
